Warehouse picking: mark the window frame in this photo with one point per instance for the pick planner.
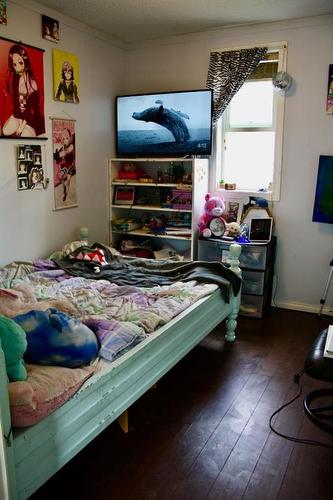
(278, 127)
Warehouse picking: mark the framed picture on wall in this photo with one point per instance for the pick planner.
(3, 11)
(21, 113)
(29, 167)
(50, 29)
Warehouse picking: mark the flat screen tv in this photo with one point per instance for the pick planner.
(323, 204)
(164, 124)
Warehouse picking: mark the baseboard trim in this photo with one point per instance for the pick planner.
(296, 306)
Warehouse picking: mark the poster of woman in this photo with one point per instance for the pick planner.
(66, 76)
(64, 163)
(21, 90)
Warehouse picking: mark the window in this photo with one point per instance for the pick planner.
(249, 133)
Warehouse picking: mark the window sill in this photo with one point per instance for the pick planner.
(237, 193)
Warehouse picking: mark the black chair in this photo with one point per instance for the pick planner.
(318, 404)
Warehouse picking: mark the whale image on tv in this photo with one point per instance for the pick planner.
(165, 124)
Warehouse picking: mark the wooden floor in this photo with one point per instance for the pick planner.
(203, 432)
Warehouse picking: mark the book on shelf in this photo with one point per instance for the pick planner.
(125, 225)
(178, 231)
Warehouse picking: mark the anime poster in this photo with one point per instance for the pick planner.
(64, 163)
(329, 105)
(21, 91)
(3, 12)
(50, 29)
(29, 167)
(66, 76)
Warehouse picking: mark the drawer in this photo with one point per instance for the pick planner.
(252, 256)
(251, 305)
(253, 282)
(210, 250)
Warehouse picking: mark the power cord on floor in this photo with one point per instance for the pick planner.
(312, 442)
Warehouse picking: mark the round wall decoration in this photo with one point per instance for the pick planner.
(282, 81)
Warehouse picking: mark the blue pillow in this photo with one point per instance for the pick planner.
(57, 339)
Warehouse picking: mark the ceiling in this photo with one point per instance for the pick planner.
(138, 20)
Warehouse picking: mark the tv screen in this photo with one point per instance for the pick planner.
(323, 205)
(164, 124)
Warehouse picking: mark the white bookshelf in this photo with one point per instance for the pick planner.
(151, 203)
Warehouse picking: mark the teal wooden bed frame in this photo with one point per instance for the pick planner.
(30, 456)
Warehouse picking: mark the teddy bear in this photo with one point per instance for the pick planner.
(14, 344)
(214, 208)
(233, 229)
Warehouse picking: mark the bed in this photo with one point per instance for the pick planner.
(31, 455)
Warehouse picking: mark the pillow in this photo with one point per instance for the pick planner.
(90, 254)
(57, 339)
(97, 253)
(46, 388)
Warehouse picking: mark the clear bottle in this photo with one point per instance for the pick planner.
(171, 173)
(159, 175)
(166, 176)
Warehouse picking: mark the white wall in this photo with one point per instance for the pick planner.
(178, 63)
(29, 227)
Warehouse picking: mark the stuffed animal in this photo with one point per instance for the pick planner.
(214, 208)
(57, 339)
(14, 344)
(130, 171)
(233, 229)
(21, 299)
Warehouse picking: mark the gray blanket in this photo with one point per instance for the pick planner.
(147, 272)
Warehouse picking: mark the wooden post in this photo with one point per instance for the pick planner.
(231, 323)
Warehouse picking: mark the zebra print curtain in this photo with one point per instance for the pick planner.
(227, 72)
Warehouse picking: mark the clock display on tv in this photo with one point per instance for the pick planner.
(164, 124)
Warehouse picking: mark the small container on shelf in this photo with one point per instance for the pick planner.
(181, 199)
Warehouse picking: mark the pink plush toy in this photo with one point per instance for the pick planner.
(21, 299)
(214, 208)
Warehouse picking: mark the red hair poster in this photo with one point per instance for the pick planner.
(21, 90)
(64, 163)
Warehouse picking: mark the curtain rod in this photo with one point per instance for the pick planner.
(270, 45)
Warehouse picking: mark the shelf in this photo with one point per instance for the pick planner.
(152, 208)
(185, 187)
(154, 195)
(139, 232)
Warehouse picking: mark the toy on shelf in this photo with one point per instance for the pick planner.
(130, 172)
(211, 223)
(233, 229)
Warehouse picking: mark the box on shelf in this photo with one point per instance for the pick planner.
(125, 225)
(181, 199)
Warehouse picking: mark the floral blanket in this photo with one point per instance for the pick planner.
(120, 316)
